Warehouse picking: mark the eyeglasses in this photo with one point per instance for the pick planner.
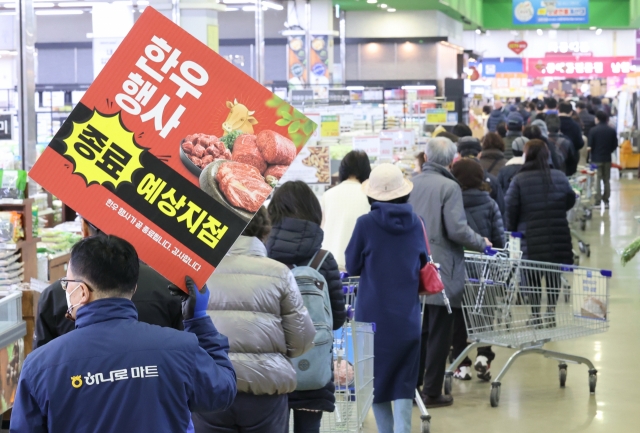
(64, 282)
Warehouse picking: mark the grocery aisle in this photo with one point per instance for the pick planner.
(531, 399)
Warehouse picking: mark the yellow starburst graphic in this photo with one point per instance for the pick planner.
(76, 381)
(103, 150)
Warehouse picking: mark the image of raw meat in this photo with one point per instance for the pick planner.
(203, 149)
(246, 151)
(242, 185)
(276, 149)
(276, 171)
(218, 150)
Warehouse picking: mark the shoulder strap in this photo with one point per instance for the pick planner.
(318, 259)
(493, 164)
(426, 240)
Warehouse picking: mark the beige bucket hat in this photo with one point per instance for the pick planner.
(386, 183)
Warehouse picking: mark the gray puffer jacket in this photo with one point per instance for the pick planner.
(256, 303)
(437, 198)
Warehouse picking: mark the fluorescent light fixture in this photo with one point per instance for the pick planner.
(8, 53)
(10, 5)
(60, 12)
(7, 13)
(236, 2)
(391, 10)
(125, 3)
(478, 31)
(251, 8)
(142, 3)
(228, 9)
(44, 5)
(272, 5)
(598, 32)
(78, 4)
(383, 6)
(592, 28)
(355, 87)
(539, 31)
(372, 1)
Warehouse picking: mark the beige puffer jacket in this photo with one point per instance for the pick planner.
(256, 303)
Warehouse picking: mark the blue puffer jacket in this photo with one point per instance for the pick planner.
(495, 118)
(115, 374)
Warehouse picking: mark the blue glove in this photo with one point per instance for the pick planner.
(194, 305)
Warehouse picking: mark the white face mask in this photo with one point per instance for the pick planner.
(69, 306)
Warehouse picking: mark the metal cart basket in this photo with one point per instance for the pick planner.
(522, 305)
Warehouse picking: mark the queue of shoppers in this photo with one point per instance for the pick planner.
(231, 361)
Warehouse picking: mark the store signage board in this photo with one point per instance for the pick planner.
(370, 144)
(130, 156)
(299, 97)
(400, 137)
(339, 97)
(330, 126)
(572, 67)
(527, 12)
(5, 126)
(436, 116)
(517, 46)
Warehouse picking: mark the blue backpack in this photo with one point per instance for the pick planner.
(314, 368)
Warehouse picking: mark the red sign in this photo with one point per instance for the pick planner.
(577, 67)
(517, 47)
(172, 148)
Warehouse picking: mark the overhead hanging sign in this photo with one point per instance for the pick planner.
(172, 148)
(527, 12)
(576, 67)
(517, 46)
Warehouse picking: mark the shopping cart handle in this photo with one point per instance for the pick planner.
(350, 313)
(490, 251)
(516, 235)
(344, 275)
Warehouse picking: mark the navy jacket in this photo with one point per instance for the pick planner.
(603, 141)
(115, 374)
(387, 250)
(484, 216)
(495, 118)
(538, 208)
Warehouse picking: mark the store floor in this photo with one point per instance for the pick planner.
(531, 399)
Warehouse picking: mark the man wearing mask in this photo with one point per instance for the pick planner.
(152, 300)
(115, 374)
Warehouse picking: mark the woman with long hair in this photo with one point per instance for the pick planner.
(537, 203)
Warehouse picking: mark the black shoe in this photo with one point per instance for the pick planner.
(440, 401)
(606, 205)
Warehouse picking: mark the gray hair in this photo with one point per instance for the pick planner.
(441, 151)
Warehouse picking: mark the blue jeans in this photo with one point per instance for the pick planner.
(396, 420)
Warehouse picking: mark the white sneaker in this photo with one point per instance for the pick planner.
(482, 366)
(463, 373)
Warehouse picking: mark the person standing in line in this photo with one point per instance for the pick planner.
(551, 106)
(295, 239)
(588, 120)
(537, 202)
(514, 130)
(154, 303)
(114, 374)
(470, 147)
(437, 198)
(387, 251)
(485, 218)
(256, 303)
(343, 204)
(492, 156)
(603, 141)
(574, 133)
(497, 116)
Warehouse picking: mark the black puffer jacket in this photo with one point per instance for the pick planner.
(573, 131)
(483, 216)
(538, 209)
(294, 242)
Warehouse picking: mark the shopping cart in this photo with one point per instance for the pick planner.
(503, 306)
(353, 364)
(354, 398)
(583, 183)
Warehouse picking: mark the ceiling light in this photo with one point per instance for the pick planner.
(539, 31)
(598, 32)
(592, 28)
(143, 3)
(478, 31)
(7, 13)
(78, 4)
(60, 12)
(44, 5)
(235, 2)
(228, 9)
(372, 1)
(391, 10)
(122, 2)
(272, 5)
(10, 5)
(383, 6)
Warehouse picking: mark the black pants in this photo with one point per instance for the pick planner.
(437, 326)
(305, 421)
(459, 342)
(554, 282)
(248, 414)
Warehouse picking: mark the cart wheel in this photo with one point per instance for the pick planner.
(583, 225)
(563, 376)
(447, 385)
(426, 426)
(495, 394)
(593, 379)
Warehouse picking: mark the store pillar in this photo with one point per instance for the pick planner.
(201, 20)
(26, 37)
